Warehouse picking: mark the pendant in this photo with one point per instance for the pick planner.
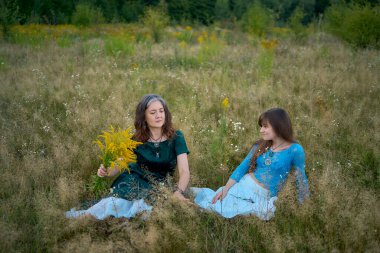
(268, 161)
(157, 155)
(156, 144)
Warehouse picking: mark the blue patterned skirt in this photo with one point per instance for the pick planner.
(244, 198)
(129, 193)
(111, 206)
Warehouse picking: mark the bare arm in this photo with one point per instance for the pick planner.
(184, 174)
(220, 195)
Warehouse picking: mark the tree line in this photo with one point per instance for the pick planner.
(180, 11)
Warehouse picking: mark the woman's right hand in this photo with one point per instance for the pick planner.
(220, 195)
(102, 171)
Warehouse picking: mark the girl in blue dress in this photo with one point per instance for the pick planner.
(253, 186)
(162, 150)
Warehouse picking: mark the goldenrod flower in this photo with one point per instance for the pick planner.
(225, 103)
(182, 44)
(213, 37)
(200, 39)
(269, 44)
(117, 147)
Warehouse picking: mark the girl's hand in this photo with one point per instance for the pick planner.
(220, 195)
(102, 171)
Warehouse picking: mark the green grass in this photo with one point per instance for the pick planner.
(56, 99)
(118, 47)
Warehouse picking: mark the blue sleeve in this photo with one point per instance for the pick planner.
(301, 178)
(242, 169)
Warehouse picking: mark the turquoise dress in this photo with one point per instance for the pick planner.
(246, 196)
(130, 189)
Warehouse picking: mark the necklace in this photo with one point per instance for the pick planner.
(270, 154)
(156, 144)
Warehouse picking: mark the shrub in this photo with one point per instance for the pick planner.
(156, 20)
(86, 15)
(295, 23)
(358, 25)
(222, 9)
(9, 15)
(257, 20)
(132, 10)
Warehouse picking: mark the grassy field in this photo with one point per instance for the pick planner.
(59, 91)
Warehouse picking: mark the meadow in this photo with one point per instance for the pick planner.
(61, 86)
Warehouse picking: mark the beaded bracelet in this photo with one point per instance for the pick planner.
(179, 190)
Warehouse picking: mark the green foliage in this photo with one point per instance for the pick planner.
(335, 15)
(186, 35)
(116, 46)
(257, 20)
(132, 10)
(283, 10)
(33, 39)
(196, 11)
(156, 20)
(222, 9)
(368, 169)
(98, 186)
(179, 10)
(86, 15)
(65, 41)
(47, 11)
(240, 7)
(219, 147)
(295, 23)
(209, 50)
(9, 15)
(265, 64)
(109, 9)
(210, 46)
(358, 25)
(202, 11)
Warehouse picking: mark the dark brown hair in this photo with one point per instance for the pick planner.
(279, 119)
(142, 130)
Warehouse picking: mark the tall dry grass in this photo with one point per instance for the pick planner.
(56, 100)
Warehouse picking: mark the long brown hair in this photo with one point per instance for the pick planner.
(142, 130)
(279, 119)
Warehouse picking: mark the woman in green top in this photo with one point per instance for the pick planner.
(162, 150)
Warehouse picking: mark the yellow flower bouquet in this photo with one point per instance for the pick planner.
(116, 148)
(116, 151)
